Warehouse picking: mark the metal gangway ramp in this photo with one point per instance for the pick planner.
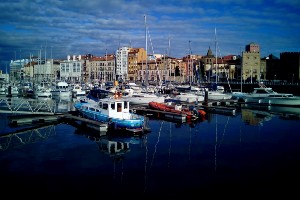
(27, 106)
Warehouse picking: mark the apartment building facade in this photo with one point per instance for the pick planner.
(251, 62)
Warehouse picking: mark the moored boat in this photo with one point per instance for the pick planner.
(143, 98)
(77, 91)
(186, 97)
(113, 111)
(267, 96)
(191, 113)
(61, 90)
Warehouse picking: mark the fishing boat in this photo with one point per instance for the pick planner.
(114, 111)
(191, 113)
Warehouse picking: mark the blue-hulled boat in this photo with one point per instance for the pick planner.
(114, 111)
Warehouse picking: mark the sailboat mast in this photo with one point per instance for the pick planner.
(189, 64)
(216, 55)
(104, 78)
(146, 80)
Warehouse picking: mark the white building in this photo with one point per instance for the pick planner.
(17, 69)
(70, 69)
(122, 63)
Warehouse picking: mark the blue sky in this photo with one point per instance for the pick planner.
(66, 27)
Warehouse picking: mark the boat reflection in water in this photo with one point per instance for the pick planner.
(283, 111)
(116, 145)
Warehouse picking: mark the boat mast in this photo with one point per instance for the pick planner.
(241, 63)
(105, 66)
(146, 78)
(216, 56)
(190, 63)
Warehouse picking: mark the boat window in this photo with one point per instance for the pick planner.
(261, 91)
(119, 107)
(105, 106)
(126, 104)
(119, 145)
(112, 106)
(100, 104)
(92, 109)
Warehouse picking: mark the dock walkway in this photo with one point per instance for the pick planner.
(27, 106)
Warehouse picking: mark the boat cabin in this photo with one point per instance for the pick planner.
(62, 85)
(268, 92)
(263, 91)
(114, 107)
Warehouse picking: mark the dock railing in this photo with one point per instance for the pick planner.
(27, 106)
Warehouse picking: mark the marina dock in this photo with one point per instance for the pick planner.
(43, 112)
(80, 122)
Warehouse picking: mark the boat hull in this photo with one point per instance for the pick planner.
(287, 101)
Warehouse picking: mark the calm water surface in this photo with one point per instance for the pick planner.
(251, 153)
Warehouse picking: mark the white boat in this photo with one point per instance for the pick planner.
(186, 97)
(267, 96)
(42, 91)
(113, 111)
(217, 95)
(183, 87)
(136, 88)
(147, 95)
(12, 90)
(217, 92)
(143, 98)
(77, 91)
(61, 90)
(3, 90)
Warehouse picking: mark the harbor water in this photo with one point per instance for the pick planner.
(254, 152)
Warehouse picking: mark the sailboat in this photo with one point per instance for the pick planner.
(143, 98)
(217, 92)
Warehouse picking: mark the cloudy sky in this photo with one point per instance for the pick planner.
(66, 27)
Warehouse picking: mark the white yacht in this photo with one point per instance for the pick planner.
(186, 97)
(42, 90)
(61, 90)
(77, 91)
(267, 96)
(140, 98)
(12, 90)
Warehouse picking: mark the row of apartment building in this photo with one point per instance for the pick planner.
(134, 65)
